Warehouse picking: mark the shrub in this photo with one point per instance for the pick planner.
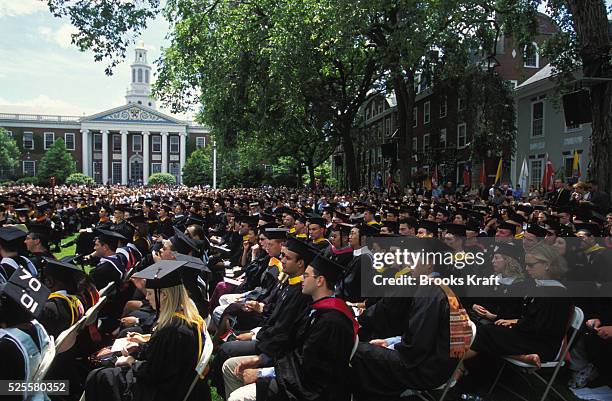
(161, 179)
(79, 179)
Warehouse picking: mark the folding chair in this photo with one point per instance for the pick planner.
(202, 363)
(575, 324)
(104, 291)
(91, 316)
(67, 338)
(423, 394)
(354, 347)
(45, 362)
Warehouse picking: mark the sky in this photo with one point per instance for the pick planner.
(42, 73)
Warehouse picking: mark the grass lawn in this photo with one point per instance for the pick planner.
(67, 251)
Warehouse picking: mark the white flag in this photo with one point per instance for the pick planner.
(523, 176)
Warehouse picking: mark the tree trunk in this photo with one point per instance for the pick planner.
(591, 26)
(311, 173)
(404, 93)
(349, 158)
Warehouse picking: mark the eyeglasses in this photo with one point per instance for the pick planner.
(305, 275)
(530, 265)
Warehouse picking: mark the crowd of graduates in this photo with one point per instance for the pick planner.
(274, 279)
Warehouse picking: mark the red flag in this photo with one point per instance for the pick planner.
(467, 174)
(548, 178)
(483, 174)
(434, 178)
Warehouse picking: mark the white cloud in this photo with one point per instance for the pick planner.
(12, 8)
(42, 104)
(62, 36)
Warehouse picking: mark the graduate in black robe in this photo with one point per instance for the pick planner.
(317, 367)
(164, 367)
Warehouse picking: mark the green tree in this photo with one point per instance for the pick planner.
(79, 179)
(161, 179)
(57, 162)
(9, 155)
(198, 167)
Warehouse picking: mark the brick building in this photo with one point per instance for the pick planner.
(123, 145)
(439, 120)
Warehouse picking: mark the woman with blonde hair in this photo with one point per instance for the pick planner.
(537, 334)
(163, 367)
(505, 301)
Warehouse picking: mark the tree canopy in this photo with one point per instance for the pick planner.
(9, 154)
(57, 162)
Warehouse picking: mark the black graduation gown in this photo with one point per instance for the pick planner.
(13, 365)
(385, 318)
(506, 300)
(164, 371)
(105, 272)
(37, 259)
(56, 316)
(274, 336)
(540, 329)
(317, 368)
(349, 287)
(420, 361)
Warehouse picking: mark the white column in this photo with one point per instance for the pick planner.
(183, 154)
(124, 157)
(145, 157)
(104, 157)
(85, 150)
(164, 136)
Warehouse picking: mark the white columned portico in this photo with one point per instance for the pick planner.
(183, 154)
(124, 157)
(164, 153)
(85, 148)
(104, 157)
(145, 156)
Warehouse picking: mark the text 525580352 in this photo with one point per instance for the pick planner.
(51, 387)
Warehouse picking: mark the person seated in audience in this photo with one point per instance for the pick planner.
(537, 334)
(426, 351)
(23, 340)
(163, 367)
(317, 367)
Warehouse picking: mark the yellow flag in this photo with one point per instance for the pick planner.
(499, 171)
(576, 165)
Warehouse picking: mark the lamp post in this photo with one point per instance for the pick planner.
(214, 164)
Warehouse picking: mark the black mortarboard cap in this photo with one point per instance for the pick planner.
(455, 229)
(306, 252)
(316, 219)
(192, 264)
(331, 270)
(276, 233)
(163, 274)
(429, 225)
(11, 235)
(537, 230)
(20, 289)
(592, 228)
(368, 230)
(109, 237)
(182, 243)
(511, 250)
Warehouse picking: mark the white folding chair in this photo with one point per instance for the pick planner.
(202, 363)
(45, 362)
(106, 289)
(91, 316)
(452, 380)
(67, 338)
(575, 324)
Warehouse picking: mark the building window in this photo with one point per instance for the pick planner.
(443, 107)
(460, 103)
(426, 113)
(116, 143)
(425, 142)
(200, 142)
(155, 168)
(512, 84)
(156, 143)
(29, 168)
(97, 142)
(140, 75)
(137, 143)
(9, 133)
(415, 144)
(387, 126)
(443, 138)
(49, 139)
(415, 113)
(28, 140)
(537, 118)
(535, 173)
(147, 77)
(461, 135)
(175, 170)
(133, 75)
(97, 171)
(69, 140)
(174, 144)
(531, 58)
(116, 173)
(571, 128)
